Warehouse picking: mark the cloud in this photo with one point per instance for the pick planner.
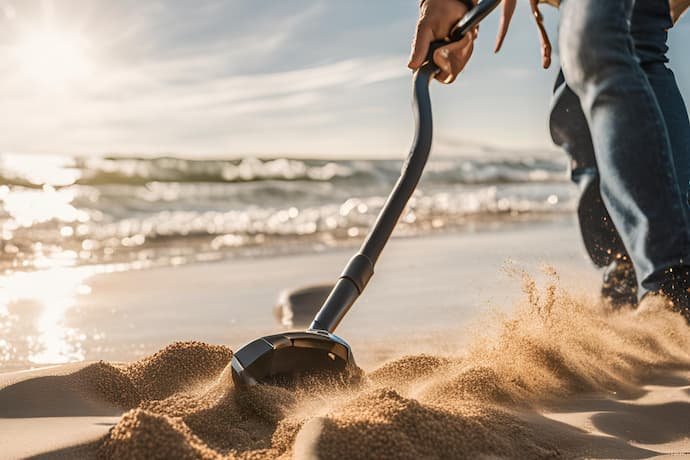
(217, 76)
(159, 102)
(167, 72)
(231, 89)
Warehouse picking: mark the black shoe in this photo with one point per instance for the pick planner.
(619, 287)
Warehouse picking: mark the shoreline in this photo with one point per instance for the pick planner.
(427, 284)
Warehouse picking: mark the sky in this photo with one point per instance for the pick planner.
(228, 78)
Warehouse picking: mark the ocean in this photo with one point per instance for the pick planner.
(70, 211)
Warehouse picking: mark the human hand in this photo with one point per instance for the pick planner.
(436, 19)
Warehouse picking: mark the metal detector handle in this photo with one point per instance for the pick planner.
(360, 269)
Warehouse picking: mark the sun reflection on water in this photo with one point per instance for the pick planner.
(34, 323)
(31, 207)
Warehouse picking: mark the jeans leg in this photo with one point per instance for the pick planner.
(649, 26)
(633, 151)
(675, 113)
(569, 130)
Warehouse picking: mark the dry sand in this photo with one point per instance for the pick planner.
(562, 376)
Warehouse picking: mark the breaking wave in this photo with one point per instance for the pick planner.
(94, 210)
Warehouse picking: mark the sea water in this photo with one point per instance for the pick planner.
(69, 211)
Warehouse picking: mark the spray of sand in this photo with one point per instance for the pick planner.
(555, 346)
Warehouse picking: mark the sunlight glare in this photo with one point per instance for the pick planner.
(54, 293)
(53, 58)
(29, 207)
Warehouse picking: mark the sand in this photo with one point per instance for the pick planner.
(560, 376)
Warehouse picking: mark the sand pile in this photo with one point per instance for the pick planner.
(555, 346)
(104, 389)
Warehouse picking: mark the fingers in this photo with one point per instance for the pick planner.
(420, 47)
(453, 58)
(436, 19)
(506, 17)
(543, 35)
(442, 60)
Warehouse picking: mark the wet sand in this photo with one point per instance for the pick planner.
(492, 363)
(422, 286)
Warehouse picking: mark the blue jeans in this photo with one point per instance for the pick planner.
(618, 112)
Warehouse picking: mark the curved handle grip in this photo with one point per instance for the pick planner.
(464, 25)
(361, 267)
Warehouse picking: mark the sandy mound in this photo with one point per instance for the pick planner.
(484, 403)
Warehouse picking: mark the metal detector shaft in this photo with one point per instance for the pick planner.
(360, 269)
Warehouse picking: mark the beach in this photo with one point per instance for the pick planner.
(176, 178)
(442, 281)
(474, 343)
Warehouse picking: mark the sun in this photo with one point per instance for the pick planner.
(53, 58)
